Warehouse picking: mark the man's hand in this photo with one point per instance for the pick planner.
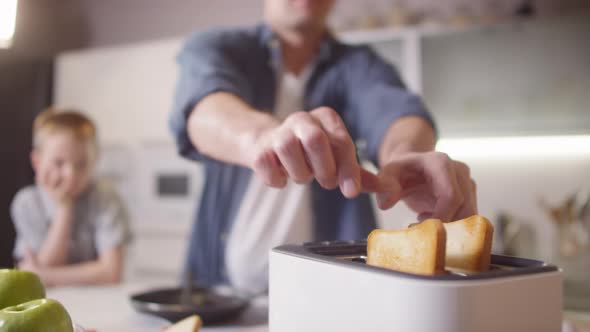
(310, 145)
(431, 184)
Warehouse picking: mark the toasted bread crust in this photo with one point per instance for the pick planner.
(419, 249)
(189, 324)
(430, 246)
(469, 243)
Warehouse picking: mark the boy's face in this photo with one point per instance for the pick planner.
(63, 165)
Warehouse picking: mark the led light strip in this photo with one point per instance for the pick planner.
(516, 147)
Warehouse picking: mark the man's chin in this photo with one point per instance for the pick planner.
(305, 25)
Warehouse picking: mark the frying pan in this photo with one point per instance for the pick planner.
(213, 305)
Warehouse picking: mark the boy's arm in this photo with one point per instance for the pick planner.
(54, 251)
(107, 269)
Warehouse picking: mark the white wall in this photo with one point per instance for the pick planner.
(118, 22)
(127, 90)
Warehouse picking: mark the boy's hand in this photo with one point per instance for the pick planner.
(60, 188)
(30, 262)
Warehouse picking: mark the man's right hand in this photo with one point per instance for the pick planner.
(311, 145)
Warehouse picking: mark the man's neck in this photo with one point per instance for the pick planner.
(299, 48)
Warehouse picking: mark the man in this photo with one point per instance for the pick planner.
(280, 106)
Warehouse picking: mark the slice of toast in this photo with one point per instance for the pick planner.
(469, 244)
(189, 324)
(419, 249)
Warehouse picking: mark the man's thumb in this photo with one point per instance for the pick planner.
(391, 191)
(369, 182)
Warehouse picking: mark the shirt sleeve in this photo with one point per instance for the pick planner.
(209, 62)
(379, 98)
(112, 223)
(30, 231)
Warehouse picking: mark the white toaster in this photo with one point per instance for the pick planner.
(327, 286)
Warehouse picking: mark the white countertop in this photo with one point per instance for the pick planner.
(107, 309)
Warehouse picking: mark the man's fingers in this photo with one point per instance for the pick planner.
(448, 193)
(290, 153)
(370, 182)
(349, 171)
(317, 147)
(386, 200)
(269, 169)
(424, 216)
(474, 195)
(468, 188)
(389, 187)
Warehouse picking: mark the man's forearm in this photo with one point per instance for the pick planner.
(407, 134)
(54, 251)
(224, 127)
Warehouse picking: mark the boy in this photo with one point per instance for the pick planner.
(70, 228)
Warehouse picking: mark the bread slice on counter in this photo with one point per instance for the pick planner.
(189, 324)
(419, 249)
(469, 244)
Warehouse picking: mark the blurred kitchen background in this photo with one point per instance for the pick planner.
(507, 81)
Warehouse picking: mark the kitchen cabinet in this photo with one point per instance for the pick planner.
(528, 77)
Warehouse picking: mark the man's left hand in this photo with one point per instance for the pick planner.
(430, 183)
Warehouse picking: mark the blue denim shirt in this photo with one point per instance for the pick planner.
(366, 91)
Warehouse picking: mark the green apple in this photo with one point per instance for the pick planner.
(17, 286)
(42, 315)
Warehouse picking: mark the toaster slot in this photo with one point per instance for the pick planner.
(354, 254)
(362, 259)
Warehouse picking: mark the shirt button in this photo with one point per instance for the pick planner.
(223, 237)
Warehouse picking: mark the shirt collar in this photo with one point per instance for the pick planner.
(270, 40)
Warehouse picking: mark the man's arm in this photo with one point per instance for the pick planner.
(407, 134)
(224, 127)
(304, 146)
(431, 183)
(400, 137)
(212, 117)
